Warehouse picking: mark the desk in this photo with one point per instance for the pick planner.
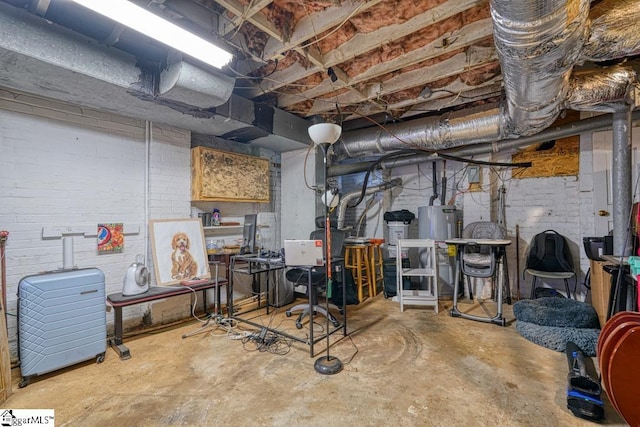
(253, 265)
(117, 301)
(498, 251)
(268, 265)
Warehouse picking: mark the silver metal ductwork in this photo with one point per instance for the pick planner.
(538, 44)
(46, 59)
(182, 82)
(603, 90)
(344, 201)
(428, 134)
(614, 31)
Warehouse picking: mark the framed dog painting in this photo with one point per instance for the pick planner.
(179, 251)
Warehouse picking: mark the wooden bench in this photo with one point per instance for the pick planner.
(117, 301)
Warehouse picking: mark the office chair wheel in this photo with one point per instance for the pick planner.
(335, 323)
(287, 313)
(298, 324)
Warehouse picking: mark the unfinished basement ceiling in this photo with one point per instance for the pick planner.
(367, 65)
(377, 58)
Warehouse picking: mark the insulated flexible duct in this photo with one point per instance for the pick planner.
(538, 44)
(342, 206)
(614, 31)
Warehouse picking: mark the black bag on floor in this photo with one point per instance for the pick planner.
(546, 292)
(336, 289)
(390, 285)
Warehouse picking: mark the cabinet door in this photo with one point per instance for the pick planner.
(224, 176)
(600, 290)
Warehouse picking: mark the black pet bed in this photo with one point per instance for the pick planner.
(552, 322)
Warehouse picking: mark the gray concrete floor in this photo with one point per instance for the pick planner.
(413, 368)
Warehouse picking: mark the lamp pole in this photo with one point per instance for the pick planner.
(327, 365)
(323, 135)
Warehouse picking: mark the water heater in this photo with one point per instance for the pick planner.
(441, 223)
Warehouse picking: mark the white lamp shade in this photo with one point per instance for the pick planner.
(323, 133)
(331, 200)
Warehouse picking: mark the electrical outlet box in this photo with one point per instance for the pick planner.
(473, 176)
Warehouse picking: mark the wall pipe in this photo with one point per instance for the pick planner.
(4, 235)
(434, 175)
(621, 179)
(148, 135)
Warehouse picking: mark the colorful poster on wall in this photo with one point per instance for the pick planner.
(110, 238)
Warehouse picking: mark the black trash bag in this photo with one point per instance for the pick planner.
(403, 216)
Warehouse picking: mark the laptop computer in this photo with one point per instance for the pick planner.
(303, 253)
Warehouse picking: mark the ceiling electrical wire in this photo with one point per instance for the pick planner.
(247, 77)
(336, 28)
(395, 155)
(484, 163)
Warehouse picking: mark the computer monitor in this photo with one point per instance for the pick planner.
(249, 234)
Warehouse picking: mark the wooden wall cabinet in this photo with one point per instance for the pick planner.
(600, 290)
(221, 176)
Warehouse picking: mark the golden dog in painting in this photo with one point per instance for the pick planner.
(183, 265)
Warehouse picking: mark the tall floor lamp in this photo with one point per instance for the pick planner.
(323, 135)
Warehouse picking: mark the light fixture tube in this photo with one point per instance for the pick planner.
(145, 22)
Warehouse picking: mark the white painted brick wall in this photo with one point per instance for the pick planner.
(69, 166)
(564, 204)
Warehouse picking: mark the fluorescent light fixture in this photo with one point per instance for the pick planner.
(145, 22)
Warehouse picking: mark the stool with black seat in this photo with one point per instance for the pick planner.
(314, 278)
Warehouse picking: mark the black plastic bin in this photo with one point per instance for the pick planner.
(594, 247)
(389, 269)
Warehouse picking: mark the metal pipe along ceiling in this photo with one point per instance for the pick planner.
(602, 122)
(538, 44)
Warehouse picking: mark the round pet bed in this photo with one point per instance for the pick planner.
(559, 312)
(556, 337)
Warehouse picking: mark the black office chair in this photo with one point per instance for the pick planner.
(314, 278)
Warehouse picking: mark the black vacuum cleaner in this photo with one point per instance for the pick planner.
(583, 392)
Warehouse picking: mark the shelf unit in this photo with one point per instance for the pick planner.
(428, 272)
(223, 229)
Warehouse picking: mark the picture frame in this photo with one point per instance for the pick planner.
(179, 250)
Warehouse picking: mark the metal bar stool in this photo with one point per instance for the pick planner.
(377, 263)
(356, 258)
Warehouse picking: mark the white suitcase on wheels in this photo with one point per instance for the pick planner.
(61, 320)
